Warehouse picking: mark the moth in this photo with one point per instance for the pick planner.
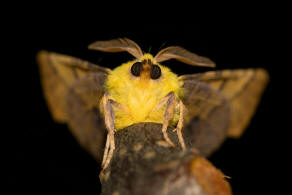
(96, 101)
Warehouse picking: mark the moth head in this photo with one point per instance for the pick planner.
(146, 68)
(173, 52)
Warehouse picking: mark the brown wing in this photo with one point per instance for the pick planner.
(58, 73)
(82, 108)
(207, 117)
(243, 88)
(183, 55)
(73, 89)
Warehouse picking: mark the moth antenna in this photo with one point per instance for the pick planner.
(118, 45)
(149, 49)
(183, 55)
(162, 45)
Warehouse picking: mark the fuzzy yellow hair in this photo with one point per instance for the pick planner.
(139, 97)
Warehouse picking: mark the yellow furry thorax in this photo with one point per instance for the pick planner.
(139, 97)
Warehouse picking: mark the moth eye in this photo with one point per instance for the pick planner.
(155, 72)
(136, 69)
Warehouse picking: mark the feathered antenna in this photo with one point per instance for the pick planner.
(183, 55)
(118, 45)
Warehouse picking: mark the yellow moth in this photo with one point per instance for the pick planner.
(91, 98)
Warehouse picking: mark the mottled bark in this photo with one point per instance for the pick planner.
(144, 164)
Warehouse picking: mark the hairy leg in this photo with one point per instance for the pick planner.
(179, 126)
(109, 123)
(168, 115)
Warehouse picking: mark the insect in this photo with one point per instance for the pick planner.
(91, 98)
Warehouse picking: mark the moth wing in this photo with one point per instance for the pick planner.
(73, 89)
(207, 116)
(242, 88)
(58, 72)
(84, 118)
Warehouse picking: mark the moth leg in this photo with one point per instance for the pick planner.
(179, 126)
(109, 123)
(105, 154)
(168, 115)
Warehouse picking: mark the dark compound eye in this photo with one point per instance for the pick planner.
(136, 69)
(155, 72)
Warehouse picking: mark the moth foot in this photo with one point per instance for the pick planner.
(101, 174)
(180, 138)
(167, 139)
(108, 153)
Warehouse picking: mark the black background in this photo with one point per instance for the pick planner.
(48, 159)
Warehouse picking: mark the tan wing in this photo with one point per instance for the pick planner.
(58, 73)
(207, 116)
(183, 55)
(73, 89)
(82, 108)
(118, 45)
(243, 88)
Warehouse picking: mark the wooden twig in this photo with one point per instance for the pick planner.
(144, 164)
